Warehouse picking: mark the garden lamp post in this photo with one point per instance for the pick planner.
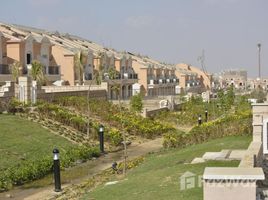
(101, 138)
(56, 169)
(206, 115)
(199, 120)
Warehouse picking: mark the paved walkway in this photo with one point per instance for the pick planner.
(92, 166)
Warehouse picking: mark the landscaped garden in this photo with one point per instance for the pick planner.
(158, 177)
(26, 146)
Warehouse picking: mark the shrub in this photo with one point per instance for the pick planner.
(114, 116)
(136, 103)
(232, 124)
(115, 136)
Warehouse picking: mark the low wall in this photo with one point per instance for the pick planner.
(152, 113)
(51, 89)
(50, 96)
(228, 183)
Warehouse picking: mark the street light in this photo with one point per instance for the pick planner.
(259, 59)
(101, 138)
(199, 120)
(206, 115)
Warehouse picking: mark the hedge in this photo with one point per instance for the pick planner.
(232, 124)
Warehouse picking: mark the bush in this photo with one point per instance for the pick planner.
(114, 136)
(35, 169)
(232, 124)
(136, 104)
(14, 106)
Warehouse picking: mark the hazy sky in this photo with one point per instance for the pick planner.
(168, 30)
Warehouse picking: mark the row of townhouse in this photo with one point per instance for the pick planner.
(58, 53)
(155, 79)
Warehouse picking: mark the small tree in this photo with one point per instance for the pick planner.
(37, 72)
(16, 70)
(136, 103)
(80, 60)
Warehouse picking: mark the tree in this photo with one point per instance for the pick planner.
(230, 97)
(80, 60)
(37, 72)
(136, 103)
(16, 70)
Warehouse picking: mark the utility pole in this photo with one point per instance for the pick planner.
(201, 59)
(259, 59)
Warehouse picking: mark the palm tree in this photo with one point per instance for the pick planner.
(37, 72)
(16, 70)
(80, 60)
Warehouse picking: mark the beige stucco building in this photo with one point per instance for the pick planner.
(58, 52)
(155, 79)
(235, 78)
(4, 71)
(193, 79)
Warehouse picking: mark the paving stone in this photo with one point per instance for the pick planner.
(198, 160)
(216, 155)
(237, 154)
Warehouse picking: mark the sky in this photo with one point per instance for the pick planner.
(171, 31)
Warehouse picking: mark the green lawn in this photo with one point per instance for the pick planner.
(158, 177)
(24, 141)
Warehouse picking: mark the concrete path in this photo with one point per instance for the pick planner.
(93, 167)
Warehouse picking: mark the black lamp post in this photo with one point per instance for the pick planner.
(56, 169)
(199, 120)
(206, 115)
(101, 137)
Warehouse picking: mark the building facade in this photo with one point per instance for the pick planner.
(235, 78)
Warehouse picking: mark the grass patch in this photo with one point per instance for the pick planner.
(158, 176)
(26, 151)
(22, 140)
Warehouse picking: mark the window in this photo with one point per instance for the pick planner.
(28, 59)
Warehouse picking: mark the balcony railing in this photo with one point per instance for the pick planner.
(4, 69)
(125, 76)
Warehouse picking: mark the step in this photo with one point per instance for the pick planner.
(198, 160)
(237, 154)
(216, 155)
